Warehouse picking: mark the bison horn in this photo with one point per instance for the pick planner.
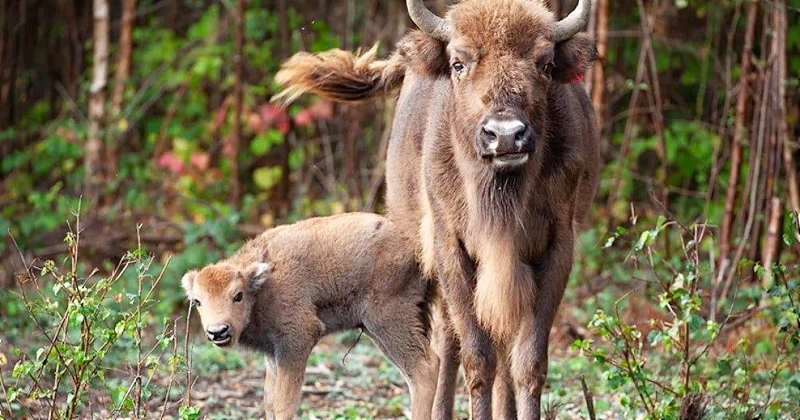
(566, 28)
(428, 22)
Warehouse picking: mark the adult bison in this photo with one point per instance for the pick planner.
(493, 161)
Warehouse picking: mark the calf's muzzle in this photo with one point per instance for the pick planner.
(220, 334)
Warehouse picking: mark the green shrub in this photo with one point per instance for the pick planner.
(87, 327)
(680, 367)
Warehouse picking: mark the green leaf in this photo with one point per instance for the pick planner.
(267, 177)
(263, 143)
(260, 145)
(189, 413)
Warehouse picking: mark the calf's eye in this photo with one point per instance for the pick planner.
(238, 297)
(458, 67)
(195, 302)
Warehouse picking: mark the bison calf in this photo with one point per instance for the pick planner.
(285, 289)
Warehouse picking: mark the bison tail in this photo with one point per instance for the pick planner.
(505, 291)
(339, 75)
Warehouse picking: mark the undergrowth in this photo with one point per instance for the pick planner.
(94, 349)
(664, 353)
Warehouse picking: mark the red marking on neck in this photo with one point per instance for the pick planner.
(578, 77)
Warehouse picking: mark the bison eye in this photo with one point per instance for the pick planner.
(195, 303)
(458, 67)
(238, 297)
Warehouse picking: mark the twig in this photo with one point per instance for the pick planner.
(171, 370)
(360, 333)
(187, 399)
(589, 398)
(137, 380)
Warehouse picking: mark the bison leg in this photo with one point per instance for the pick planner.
(405, 342)
(529, 352)
(446, 344)
(269, 388)
(456, 273)
(503, 399)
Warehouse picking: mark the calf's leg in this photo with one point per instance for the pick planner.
(269, 388)
(289, 384)
(291, 357)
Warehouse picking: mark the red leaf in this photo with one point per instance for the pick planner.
(200, 160)
(227, 147)
(304, 118)
(283, 126)
(275, 116)
(169, 161)
(219, 116)
(322, 110)
(255, 123)
(271, 113)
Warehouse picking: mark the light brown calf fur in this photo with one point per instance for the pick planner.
(285, 289)
(492, 163)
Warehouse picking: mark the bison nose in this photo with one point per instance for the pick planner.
(219, 334)
(504, 136)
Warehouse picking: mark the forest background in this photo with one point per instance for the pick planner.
(138, 141)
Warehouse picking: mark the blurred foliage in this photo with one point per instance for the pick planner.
(173, 134)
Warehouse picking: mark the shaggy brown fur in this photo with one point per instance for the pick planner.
(293, 284)
(498, 239)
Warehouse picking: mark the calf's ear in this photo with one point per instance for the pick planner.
(187, 282)
(256, 274)
(572, 58)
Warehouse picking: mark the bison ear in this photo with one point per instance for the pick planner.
(256, 274)
(424, 54)
(187, 281)
(572, 58)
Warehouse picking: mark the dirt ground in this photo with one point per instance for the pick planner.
(343, 381)
(346, 378)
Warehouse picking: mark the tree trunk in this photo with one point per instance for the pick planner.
(121, 74)
(772, 241)
(774, 223)
(4, 117)
(97, 100)
(789, 165)
(68, 13)
(238, 92)
(123, 56)
(598, 71)
(739, 136)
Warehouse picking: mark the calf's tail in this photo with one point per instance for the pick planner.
(339, 75)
